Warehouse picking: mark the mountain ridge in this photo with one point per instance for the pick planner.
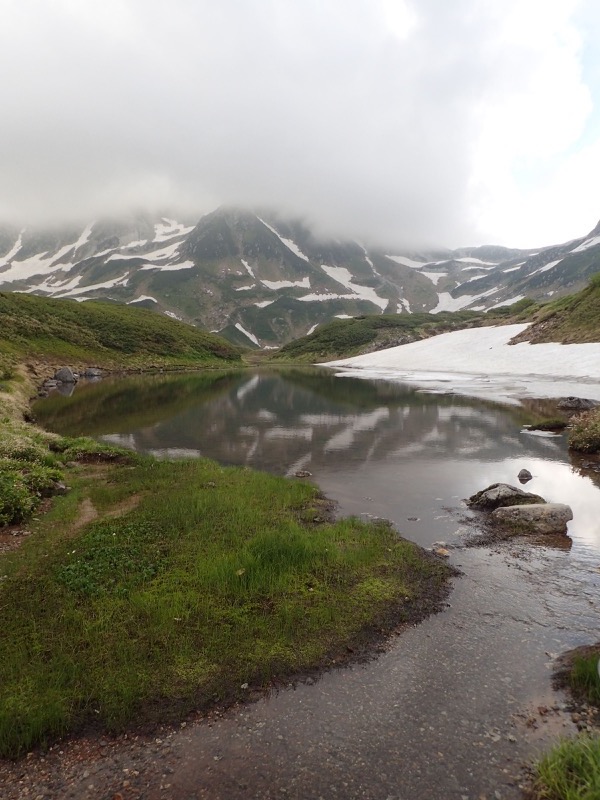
(262, 280)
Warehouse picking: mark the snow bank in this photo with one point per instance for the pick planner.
(480, 362)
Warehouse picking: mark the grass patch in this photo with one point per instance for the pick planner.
(553, 424)
(585, 432)
(104, 334)
(570, 771)
(362, 334)
(213, 581)
(584, 678)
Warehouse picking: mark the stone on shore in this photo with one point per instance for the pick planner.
(65, 375)
(537, 519)
(502, 494)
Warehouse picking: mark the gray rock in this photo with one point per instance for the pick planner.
(50, 383)
(92, 372)
(576, 403)
(524, 476)
(501, 494)
(65, 375)
(542, 518)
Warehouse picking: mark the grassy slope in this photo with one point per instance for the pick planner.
(342, 338)
(103, 334)
(575, 318)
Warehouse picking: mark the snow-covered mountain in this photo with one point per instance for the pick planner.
(259, 279)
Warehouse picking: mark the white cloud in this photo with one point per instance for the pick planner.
(395, 120)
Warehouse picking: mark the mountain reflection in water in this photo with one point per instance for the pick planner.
(387, 450)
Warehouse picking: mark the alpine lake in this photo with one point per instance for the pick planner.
(452, 708)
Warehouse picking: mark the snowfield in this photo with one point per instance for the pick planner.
(480, 362)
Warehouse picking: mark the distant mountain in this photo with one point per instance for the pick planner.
(261, 280)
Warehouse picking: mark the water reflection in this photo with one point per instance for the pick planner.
(383, 449)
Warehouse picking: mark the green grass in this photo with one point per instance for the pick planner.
(575, 318)
(217, 578)
(584, 436)
(349, 337)
(106, 334)
(570, 771)
(549, 424)
(584, 678)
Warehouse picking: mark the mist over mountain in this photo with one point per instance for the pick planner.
(261, 279)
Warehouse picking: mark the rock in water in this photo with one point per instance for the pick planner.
(524, 476)
(576, 404)
(65, 375)
(541, 518)
(501, 494)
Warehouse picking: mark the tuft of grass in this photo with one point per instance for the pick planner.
(584, 677)
(585, 432)
(570, 771)
(551, 424)
(213, 580)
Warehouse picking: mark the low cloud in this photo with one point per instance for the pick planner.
(404, 123)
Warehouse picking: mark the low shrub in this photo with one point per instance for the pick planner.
(585, 433)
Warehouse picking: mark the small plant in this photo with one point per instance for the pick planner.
(585, 677)
(570, 771)
(585, 433)
(17, 502)
(554, 424)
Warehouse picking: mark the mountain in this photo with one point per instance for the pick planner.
(261, 280)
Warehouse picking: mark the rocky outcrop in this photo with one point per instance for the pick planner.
(546, 518)
(524, 476)
(65, 375)
(501, 494)
(576, 404)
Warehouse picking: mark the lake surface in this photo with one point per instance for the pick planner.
(450, 710)
(383, 449)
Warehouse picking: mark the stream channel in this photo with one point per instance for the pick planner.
(452, 708)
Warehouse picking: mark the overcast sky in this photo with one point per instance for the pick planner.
(401, 121)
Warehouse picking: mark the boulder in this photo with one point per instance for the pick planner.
(524, 476)
(576, 403)
(65, 375)
(501, 494)
(92, 372)
(538, 518)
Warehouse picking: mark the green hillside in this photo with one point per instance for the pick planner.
(343, 338)
(571, 319)
(107, 334)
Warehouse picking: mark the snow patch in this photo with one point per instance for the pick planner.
(508, 302)
(264, 303)
(448, 303)
(343, 316)
(435, 277)
(250, 336)
(169, 267)
(248, 268)
(475, 361)
(169, 228)
(173, 315)
(303, 284)
(291, 245)
(245, 288)
(121, 281)
(587, 244)
(345, 278)
(547, 267)
(408, 262)
(141, 299)
(4, 260)
(312, 329)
